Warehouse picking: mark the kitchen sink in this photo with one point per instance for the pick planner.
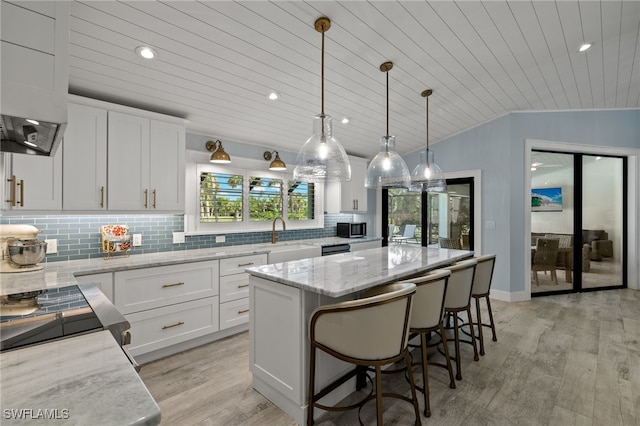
(287, 252)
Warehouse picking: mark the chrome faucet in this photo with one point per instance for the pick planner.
(274, 236)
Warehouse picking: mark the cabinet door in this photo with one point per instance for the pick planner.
(85, 159)
(103, 281)
(38, 182)
(166, 166)
(349, 197)
(128, 173)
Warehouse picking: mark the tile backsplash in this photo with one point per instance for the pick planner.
(79, 235)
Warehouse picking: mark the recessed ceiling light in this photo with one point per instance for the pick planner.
(273, 96)
(345, 120)
(584, 47)
(146, 52)
(536, 164)
(598, 158)
(33, 121)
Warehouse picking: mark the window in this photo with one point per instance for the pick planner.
(220, 197)
(242, 200)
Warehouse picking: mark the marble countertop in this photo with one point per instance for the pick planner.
(82, 380)
(60, 274)
(347, 273)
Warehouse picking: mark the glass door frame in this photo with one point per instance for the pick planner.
(578, 222)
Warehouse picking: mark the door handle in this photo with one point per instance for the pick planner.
(102, 196)
(146, 197)
(12, 193)
(21, 185)
(154, 198)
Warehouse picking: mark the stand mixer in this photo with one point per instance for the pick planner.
(9, 233)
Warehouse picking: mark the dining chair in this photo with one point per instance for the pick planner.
(450, 243)
(458, 300)
(544, 258)
(369, 332)
(480, 290)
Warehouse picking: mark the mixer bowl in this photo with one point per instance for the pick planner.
(25, 253)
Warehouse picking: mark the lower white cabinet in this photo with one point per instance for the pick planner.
(365, 245)
(161, 327)
(103, 281)
(234, 289)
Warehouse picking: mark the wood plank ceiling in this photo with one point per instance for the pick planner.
(218, 60)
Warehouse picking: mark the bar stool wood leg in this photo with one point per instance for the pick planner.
(445, 344)
(493, 326)
(479, 324)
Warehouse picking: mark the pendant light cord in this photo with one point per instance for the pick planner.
(427, 130)
(322, 73)
(387, 102)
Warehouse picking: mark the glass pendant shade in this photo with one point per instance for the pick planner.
(387, 169)
(322, 158)
(427, 176)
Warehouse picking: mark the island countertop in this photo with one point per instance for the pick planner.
(82, 380)
(347, 273)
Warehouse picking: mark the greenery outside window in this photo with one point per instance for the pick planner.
(230, 199)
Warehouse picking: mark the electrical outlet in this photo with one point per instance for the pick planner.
(220, 238)
(178, 238)
(137, 240)
(52, 246)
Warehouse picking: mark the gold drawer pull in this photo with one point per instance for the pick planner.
(245, 264)
(171, 285)
(154, 198)
(178, 324)
(12, 197)
(21, 185)
(102, 196)
(244, 311)
(146, 198)
(243, 285)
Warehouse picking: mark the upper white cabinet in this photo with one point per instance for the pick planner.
(118, 158)
(85, 159)
(146, 163)
(351, 196)
(32, 182)
(34, 66)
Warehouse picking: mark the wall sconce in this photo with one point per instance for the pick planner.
(277, 163)
(219, 155)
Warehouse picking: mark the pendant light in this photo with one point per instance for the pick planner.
(322, 158)
(387, 169)
(427, 176)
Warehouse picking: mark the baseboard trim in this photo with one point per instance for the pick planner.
(506, 296)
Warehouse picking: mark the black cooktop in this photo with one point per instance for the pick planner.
(38, 316)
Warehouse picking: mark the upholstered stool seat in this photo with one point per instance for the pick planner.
(372, 331)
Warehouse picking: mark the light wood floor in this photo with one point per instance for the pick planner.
(559, 360)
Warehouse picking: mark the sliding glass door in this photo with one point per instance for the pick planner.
(577, 222)
(431, 219)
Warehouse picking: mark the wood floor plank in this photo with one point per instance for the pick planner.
(559, 360)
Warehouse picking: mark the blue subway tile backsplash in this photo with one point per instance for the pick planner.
(79, 236)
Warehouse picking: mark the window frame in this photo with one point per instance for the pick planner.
(193, 226)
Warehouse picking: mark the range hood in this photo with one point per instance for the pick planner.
(28, 136)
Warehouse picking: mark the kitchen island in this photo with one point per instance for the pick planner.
(283, 296)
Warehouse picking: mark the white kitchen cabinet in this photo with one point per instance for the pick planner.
(35, 54)
(103, 281)
(234, 289)
(32, 182)
(167, 305)
(146, 161)
(84, 162)
(350, 196)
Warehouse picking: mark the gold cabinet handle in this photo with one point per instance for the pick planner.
(243, 285)
(102, 196)
(146, 197)
(154, 198)
(12, 194)
(171, 285)
(245, 264)
(244, 311)
(21, 185)
(178, 324)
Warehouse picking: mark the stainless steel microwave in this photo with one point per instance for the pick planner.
(352, 230)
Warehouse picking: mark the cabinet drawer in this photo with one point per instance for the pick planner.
(162, 327)
(140, 289)
(234, 313)
(236, 265)
(233, 287)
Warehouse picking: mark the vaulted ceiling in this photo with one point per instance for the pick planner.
(218, 60)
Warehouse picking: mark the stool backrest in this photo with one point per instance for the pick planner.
(484, 274)
(428, 303)
(371, 328)
(460, 283)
